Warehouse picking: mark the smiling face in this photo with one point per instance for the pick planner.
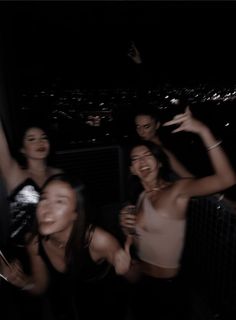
(35, 144)
(146, 126)
(56, 210)
(143, 163)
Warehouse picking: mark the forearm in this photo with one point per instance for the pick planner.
(219, 160)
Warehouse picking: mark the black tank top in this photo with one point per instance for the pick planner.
(22, 202)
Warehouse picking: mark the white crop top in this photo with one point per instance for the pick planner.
(160, 239)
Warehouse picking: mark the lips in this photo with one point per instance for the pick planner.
(41, 149)
(46, 223)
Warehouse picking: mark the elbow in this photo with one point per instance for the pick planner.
(229, 180)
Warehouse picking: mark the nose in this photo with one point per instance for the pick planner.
(140, 131)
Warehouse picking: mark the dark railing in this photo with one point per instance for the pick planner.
(210, 257)
(100, 168)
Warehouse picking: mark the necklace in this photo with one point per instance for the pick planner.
(57, 243)
(157, 188)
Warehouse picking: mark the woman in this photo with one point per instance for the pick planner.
(160, 218)
(67, 250)
(23, 183)
(147, 127)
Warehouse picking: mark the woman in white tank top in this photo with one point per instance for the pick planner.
(160, 218)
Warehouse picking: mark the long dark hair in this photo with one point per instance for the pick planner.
(165, 172)
(20, 138)
(79, 236)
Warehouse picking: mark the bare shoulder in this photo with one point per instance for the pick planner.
(100, 237)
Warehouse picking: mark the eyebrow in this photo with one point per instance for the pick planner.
(145, 124)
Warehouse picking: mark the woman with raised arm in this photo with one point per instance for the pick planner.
(160, 220)
(23, 183)
(67, 250)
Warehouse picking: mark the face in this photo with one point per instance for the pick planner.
(143, 163)
(56, 210)
(146, 126)
(35, 144)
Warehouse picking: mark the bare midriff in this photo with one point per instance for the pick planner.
(158, 272)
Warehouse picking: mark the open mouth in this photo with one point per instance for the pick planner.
(42, 149)
(145, 168)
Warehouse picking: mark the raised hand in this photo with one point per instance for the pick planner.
(134, 53)
(186, 122)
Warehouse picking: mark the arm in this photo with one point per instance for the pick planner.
(224, 176)
(104, 246)
(9, 167)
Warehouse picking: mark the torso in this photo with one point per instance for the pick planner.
(23, 198)
(22, 203)
(169, 209)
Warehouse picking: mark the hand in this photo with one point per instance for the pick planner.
(186, 122)
(134, 53)
(14, 274)
(128, 219)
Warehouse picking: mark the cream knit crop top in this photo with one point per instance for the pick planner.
(160, 239)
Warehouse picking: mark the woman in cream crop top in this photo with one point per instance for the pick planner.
(161, 209)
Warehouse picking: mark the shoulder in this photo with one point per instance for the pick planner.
(100, 238)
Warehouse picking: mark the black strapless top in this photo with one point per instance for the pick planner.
(22, 202)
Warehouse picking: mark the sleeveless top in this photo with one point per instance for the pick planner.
(22, 203)
(160, 239)
(69, 292)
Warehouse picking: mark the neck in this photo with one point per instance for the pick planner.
(156, 186)
(37, 167)
(56, 242)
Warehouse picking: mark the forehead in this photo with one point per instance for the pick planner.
(143, 119)
(34, 131)
(59, 188)
(139, 150)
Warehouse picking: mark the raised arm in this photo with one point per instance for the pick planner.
(9, 167)
(224, 176)
(104, 246)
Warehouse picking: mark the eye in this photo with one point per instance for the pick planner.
(31, 139)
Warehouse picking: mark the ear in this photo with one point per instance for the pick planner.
(22, 150)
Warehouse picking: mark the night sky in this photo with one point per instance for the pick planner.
(86, 42)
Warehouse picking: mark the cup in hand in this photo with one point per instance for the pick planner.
(128, 212)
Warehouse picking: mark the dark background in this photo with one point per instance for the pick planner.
(85, 43)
